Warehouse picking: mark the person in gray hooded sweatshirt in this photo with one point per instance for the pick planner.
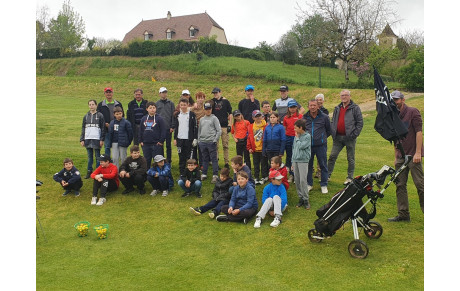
(209, 132)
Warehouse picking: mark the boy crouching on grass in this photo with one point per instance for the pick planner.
(133, 171)
(106, 178)
(69, 178)
(191, 180)
(220, 196)
(160, 176)
(243, 203)
(274, 197)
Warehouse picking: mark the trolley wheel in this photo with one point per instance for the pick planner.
(312, 232)
(358, 249)
(375, 230)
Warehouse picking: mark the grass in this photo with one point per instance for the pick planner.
(155, 243)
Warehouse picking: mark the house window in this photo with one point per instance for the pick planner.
(193, 31)
(148, 36)
(169, 33)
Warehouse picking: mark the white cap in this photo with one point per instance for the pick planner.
(186, 92)
(319, 96)
(163, 89)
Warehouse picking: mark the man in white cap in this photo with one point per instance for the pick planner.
(165, 108)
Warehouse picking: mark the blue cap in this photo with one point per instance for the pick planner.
(292, 103)
(249, 87)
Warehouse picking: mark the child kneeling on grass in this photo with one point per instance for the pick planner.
(220, 196)
(160, 176)
(106, 178)
(69, 178)
(191, 180)
(274, 198)
(243, 203)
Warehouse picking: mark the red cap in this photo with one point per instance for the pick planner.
(275, 175)
(108, 89)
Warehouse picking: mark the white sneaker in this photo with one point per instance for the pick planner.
(324, 189)
(204, 177)
(100, 202)
(214, 179)
(291, 179)
(309, 187)
(93, 200)
(275, 222)
(347, 181)
(165, 193)
(153, 193)
(258, 222)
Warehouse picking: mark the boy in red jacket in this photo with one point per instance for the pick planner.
(106, 178)
(276, 164)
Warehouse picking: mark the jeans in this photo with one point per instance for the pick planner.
(260, 164)
(195, 187)
(209, 151)
(97, 153)
(339, 142)
(106, 144)
(168, 146)
(150, 151)
(288, 148)
(185, 151)
(160, 183)
(241, 150)
(134, 179)
(213, 204)
(135, 133)
(321, 155)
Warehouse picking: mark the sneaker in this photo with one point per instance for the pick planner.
(185, 194)
(66, 192)
(300, 204)
(222, 218)
(88, 174)
(128, 190)
(307, 206)
(324, 189)
(153, 193)
(93, 200)
(195, 211)
(291, 179)
(347, 181)
(258, 222)
(309, 187)
(256, 182)
(211, 215)
(165, 193)
(275, 222)
(214, 179)
(100, 202)
(398, 219)
(77, 193)
(198, 195)
(245, 221)
(141, 191)
(203, 177)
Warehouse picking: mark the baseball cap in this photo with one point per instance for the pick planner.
(396, 95)
(256, 112)
(236, 112)
(207, 105)
(284, 88)
(249, 87)
(215, 90)
(108, 89)
(163, 89)
(158, 158)
(186, 92)
(275, 175)
(104, 158)
(292, 103)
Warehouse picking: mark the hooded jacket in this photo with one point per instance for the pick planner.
(93, 130)
(152, 129)
(318, 127)
(274, 139)
(109, 173)
(353, 121)
(220, 192)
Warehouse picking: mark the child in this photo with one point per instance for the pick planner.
(276, 163)
(152, 133)
(92, 135)
(160, 176)
(240, 131)
(120, 136)
(69, 178)
(274, 198)
(185, 134)
(300, 160)
(243, 203)
(220, 196)
(106, 178)
(237, 165)
(288, 122)
(132, 171)
(274, 140)
(191, 181)
(254, 146)
(198, 109)
(266, 110)
(209, 132)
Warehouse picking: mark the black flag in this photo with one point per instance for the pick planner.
(387, 123)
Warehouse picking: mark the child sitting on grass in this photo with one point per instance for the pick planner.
(133, 171)
(160, 176)
(274, 198)
(69, 178)
(191, 180)
(237, 165)
(243, 203)
(220, 196)
(106, 178)
(276, 163)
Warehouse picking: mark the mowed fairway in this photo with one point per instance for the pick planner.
(156, 243)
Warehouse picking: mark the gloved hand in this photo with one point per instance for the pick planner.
(195, 142)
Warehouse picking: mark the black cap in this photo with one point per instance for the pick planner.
(215, 90)
(236, 112)
(104, 158)
(284, 88)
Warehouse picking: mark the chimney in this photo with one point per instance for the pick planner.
(168, 16)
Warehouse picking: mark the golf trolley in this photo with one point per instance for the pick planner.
(348, 204)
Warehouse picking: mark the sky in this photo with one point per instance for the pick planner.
(246, 23)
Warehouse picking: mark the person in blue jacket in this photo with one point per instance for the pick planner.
(152, 133)
(274, 198)
(160, 176)
(274, 141)
(69, 178)
(120, 136)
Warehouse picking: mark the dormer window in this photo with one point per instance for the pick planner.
(148, 35)
(169, 33)
(193, 31)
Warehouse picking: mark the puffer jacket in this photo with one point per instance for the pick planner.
(125, 133)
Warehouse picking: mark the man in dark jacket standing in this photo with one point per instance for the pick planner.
(136, 110)
(248, 104)
(165, 109)
(347, 123)
(106, 107)
(319, 127)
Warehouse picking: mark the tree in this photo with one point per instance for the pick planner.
(379, 56)
(352, 22)
(41, 34)
(67, 30)
(287, 49)
(412, 75)
(267, 50)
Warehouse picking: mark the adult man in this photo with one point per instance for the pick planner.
(281, 104)
(320, 99)
(222, 109)
(249, 104)
(319, 127)
(165, 109)
(412, 145)
(347, 123)
(136, 110)
(106, 107)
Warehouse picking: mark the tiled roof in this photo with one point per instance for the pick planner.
(388, 31)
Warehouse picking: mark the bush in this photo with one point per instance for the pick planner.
(252, 54)
(412, 75)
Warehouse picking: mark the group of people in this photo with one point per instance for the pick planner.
(195, 127)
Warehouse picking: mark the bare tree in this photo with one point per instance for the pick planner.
(414, 37)
(354, 22)
(41, 24)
